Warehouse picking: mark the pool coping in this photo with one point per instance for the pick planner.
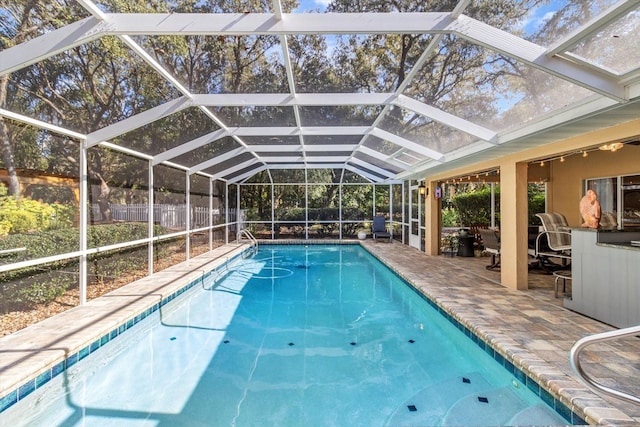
(42, 363)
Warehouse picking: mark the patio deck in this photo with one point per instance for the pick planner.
(531, 328)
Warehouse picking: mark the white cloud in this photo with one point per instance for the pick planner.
(536, 18)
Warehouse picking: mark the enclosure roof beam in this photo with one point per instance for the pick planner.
(403, 142)
(50, 44)
(217, 159)
(291, 148)
(367, 175)
(446, 119)
(329, 147)
(371, 167)
(604, 19)
(189, 146)
(536, 56)
(275, 148)
(268, 24)
(42, 125)
(327, 159)
(294, 131)
(290, 100)
(378, 155)
(248, 174)
(268, 159)
(235, 168)
(138, 120)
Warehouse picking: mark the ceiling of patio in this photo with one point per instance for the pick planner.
(355, 86)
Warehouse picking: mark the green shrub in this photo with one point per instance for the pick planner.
(450, 218)
(25, 215)
(46, 288)
(474, 208)
(63, 217)
(42, 284)
(19, 221)
(536, 203)
(5, 227)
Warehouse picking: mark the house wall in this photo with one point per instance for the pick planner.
(566, 178)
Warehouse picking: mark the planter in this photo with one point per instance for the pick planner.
(362, 235)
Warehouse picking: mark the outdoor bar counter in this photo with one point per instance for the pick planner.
(605, 271)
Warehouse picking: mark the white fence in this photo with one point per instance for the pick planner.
(169, 216)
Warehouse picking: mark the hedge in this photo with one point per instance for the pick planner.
(26, 287)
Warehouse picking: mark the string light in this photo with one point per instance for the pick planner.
(561, 158)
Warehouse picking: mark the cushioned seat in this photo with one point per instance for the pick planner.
(554, 241)
(379, 229)
(491, 243)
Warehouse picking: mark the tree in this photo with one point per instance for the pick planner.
(22, 20)
(448, 79)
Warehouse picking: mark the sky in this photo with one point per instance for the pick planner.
(538, 16)
(312, 5)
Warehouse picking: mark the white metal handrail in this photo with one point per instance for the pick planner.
(574, 356)
(247, 233)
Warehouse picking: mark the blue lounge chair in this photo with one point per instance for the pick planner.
(379, 230)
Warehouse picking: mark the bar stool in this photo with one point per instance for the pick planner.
(563, 275)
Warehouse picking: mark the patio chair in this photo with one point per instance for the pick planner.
(554, 241)
(491, 243)
(379, 229)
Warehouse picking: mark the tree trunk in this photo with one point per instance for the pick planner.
(13, 186)
(103, 200)
(5, 143)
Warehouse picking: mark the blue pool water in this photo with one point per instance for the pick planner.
(293, 336)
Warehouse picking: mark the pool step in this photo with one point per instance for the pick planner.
(470, 400)
(429, 405)
(542, 414)
(493, 407)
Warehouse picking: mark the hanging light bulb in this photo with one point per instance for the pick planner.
(614, 146)
(561, 159)
(585, 154)
(541, 163)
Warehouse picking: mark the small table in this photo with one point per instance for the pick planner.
(563, 275)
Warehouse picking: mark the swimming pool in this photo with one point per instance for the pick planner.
(295, 335)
